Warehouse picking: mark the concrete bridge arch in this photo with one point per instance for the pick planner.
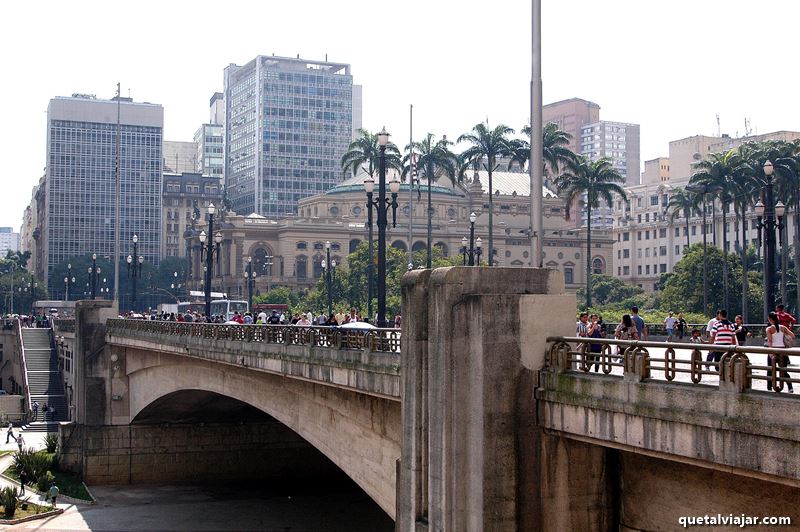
(359, 433)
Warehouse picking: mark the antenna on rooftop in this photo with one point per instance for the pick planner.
(719, 133)
(747, 130)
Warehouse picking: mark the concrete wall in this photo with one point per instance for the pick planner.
(152, 454)
(469, 424)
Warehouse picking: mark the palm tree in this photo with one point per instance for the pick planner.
(364, 153)
(555, 153)
(434, 159)
(598, 180)
(682, 201)
(487, 146)
(720, 172)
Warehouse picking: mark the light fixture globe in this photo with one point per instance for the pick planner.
(383, 137)
(472, 218)
(202, 236)
(141, 259)
(768, 168)
(464, 241)
(324, 264)
(394, 185)
(479, 243)
(333, 263)
(130, 259)
(327, 244)
(218, 237)
(369, 185)
(94, 256)
(135, 238)
(211, 209)
(759, 209)
(780, 209)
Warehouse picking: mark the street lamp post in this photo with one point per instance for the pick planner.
(464, 249)
(382, 205)
(135, 262)
(250, 278)
(328, 267)
(94, 271)
(208, 247)
(767, 213)
(67, 280)
(472, 254)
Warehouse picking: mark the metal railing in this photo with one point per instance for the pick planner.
(377, 340)
(26, 392)
(758, 330)
(730, 367)
(64, 325)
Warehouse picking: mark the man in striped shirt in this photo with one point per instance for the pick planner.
(722, 333)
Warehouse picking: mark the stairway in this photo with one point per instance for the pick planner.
(44, 379)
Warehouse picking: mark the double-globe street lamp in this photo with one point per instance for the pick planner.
(68, 280)
(705, 190)
(381, 206)
(94, 271)
(135, 262)
(767, 212)
(250, 278)
(209, 246)
(472, 254)
(329, 267)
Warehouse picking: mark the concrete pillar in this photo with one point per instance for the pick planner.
(90, 385)
(477, 336)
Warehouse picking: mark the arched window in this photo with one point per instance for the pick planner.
(419, 246)
(317, 267)
(399, 244)
(598, 266)
(354, 244)
(262, 262)
(443, 247)
(300, 267)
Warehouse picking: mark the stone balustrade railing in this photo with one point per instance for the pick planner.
(64, 325)
(739, 369)
(375, 340)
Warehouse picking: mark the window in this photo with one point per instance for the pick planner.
(619, 254)
(619, 270)
(626, 253)
(626, 270)
(639, 218)
(647, 269)
(662, 251)
(677, 231)
(664, 200)
(638, 235)
(694, 230)
(662, 268)
(653, 200)
(647, 252)
(568, 276)
(597, 266)
(647, 217)
(647, 235)
(302, 245)
(639, 269)
(677, 250)
(626, 236)
(639, 253)
(662, 233)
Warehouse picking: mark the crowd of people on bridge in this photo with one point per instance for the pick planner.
(302, 319)
(719, 331)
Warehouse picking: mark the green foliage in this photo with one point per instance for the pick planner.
(682, 290)
(45, 480)
(280, 295)
(9, 499)
(34, 463)
(608, 290)
(51, 442)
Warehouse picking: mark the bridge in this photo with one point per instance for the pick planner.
(481, 414)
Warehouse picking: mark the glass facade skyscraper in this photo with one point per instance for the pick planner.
(287, 124)
(80, 179)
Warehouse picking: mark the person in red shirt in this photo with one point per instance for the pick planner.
(784, 318)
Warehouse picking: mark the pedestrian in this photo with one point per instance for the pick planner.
(582, 325)
(741, 330)
(20, 442)
(595, 330)
(638, 321)
(23, 479)
(398, 321)
(53, 493)
(711, 324)
(35, 410)
(332, 321)
(274, 319)
(696, 338)
(263, 316)
(723, 333)
(44, 411)
(626, 330)
(787, 320)
(778, 337)
(10, 432)
(681, 326)
(248, 319)
(669, 325)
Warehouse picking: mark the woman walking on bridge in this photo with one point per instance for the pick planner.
(779, 337)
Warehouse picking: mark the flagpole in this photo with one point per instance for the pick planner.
(411, 173)
(537, 219)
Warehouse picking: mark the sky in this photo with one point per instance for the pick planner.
(671, 66)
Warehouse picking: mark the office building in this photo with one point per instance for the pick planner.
(9, 240)
(210, 150)
(287, 124)
(79, 217)
(185, 200)
(571, 116)
(180, 156)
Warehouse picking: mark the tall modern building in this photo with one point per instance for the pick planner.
(287, 124)
(80, 179)
(180, 156)
(209, 140)
(571, 116)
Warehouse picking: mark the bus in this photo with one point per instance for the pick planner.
(227, 307)
(191, 306)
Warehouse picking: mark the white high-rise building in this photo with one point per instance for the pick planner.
(9, 240)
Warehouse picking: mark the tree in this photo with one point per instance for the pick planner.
(364, 154)
(682, 201)
(720, 172)
(598, 180)
(555, 153)
(608, 290)
(486, 146)
(682, 289)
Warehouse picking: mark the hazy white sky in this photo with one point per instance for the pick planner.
(670, 66)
